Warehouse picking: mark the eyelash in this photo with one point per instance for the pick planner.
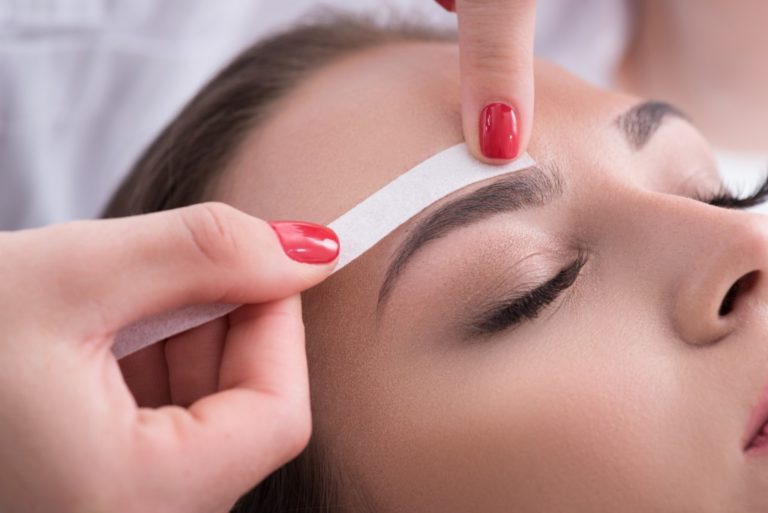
(726, 199)
(528, 306)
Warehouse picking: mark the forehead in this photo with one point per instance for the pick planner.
(357, 124)
(346, 131)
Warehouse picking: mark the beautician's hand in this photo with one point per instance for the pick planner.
(72, 438)
(496, 57)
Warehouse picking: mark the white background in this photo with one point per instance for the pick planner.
(86, 84)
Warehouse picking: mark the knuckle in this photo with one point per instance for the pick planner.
(488, 43)
(212, 233)
(506, 61)
(500, 7)
(484, 3)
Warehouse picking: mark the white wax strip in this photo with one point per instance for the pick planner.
(359, 229)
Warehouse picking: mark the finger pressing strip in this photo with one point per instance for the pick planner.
(359, 229)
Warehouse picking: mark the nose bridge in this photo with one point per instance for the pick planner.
(661, 224)
(695, 256)
(748, 232)
(721, 239)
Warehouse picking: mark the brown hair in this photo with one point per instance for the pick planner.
(180, 167)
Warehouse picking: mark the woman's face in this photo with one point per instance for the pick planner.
(629, 390)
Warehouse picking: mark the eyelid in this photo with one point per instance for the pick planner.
(528, 305)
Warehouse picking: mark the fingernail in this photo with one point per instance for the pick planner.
(448, 5)
(307, 243)
(499, 138)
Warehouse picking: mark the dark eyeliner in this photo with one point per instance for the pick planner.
(529, 305)
(727, 199)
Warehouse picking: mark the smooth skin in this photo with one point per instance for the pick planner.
(629, 393)
(72, 436)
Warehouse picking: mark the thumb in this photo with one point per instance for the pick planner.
(136, 267)
(496, 59)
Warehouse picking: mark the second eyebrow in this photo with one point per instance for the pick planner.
(531, 187)
(640, 122)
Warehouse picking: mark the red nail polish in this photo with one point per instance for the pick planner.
(499, 138)
(448, 5)
(308, 243)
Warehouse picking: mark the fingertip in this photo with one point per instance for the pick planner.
(307, 243)
(250, 260)
(495, 133)
(497, 76)
(499, 131)
(312, 251)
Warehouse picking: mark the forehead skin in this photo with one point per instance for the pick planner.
(340, 136)
(360, 122)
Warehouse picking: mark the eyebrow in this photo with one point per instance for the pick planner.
(640, 122)
(530, 187)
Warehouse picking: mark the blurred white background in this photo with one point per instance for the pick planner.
(86, 84)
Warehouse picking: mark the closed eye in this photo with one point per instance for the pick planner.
(529, 305)
(725, 198)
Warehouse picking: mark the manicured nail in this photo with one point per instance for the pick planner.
(448, 5)
(307, 243)
(499, 137)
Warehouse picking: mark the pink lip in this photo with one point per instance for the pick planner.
(757, 418)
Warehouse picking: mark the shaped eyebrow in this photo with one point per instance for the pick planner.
(531, 187)
(640, 122)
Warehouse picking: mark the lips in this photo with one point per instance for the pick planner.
(756, 434)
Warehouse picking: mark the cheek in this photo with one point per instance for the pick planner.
(549, 423)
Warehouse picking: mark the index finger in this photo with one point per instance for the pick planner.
(497, 86)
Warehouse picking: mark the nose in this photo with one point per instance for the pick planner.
(725, 283)
(703, 269)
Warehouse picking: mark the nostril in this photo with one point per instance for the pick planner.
(739, 288)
